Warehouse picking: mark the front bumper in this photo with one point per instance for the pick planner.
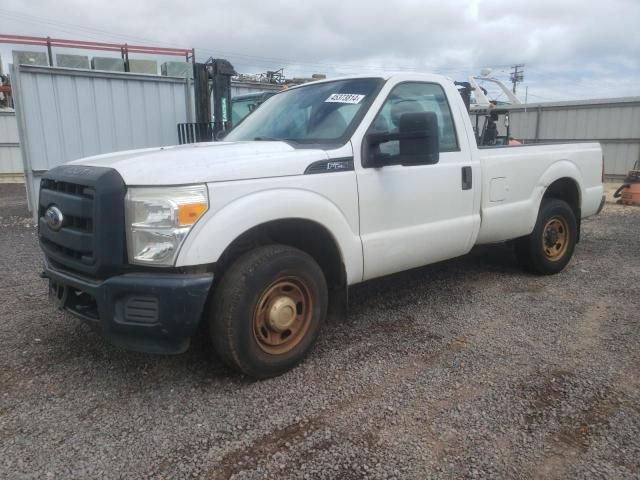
(146, 312)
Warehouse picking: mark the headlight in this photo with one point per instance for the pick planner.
(159, 219)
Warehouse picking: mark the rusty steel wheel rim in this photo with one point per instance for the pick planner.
(283, 315)
(555, 238)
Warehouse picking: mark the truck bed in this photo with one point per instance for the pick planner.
(514, 179)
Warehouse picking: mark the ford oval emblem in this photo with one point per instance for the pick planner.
(54, 218)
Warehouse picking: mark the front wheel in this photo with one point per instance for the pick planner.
(548, 249)
(267, 310)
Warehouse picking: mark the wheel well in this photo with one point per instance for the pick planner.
(305, 235)
(566, 189)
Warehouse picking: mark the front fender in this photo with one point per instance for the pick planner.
(215, 232)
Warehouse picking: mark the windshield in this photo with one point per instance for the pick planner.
(316, 113)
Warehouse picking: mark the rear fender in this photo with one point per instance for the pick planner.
(561, 169)
(556, 171)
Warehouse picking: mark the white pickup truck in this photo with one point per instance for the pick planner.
(325, 185)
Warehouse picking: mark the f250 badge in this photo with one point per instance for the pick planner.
(337, 166)
(54, 218)
(334, 165)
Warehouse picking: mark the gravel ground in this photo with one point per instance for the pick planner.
(469, 368)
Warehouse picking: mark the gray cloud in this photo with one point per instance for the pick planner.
(571, 48)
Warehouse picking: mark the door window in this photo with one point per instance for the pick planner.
(413, 97)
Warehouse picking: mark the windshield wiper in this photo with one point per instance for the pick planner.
(288, 141)
(268, 139)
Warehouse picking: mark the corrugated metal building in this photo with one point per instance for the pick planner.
(10, 161)
(614, 122)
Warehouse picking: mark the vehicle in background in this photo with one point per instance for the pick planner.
(324, 186)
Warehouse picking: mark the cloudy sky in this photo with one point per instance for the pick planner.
(571, 49)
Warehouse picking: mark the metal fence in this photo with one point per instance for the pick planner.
(10, 161)
(66, 114)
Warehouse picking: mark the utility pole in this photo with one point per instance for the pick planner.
(517, 75)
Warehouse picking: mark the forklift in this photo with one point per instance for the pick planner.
(491, 115)
(212, 92)
(488, 134)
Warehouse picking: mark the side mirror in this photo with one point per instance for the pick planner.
(420, 143)
(417, 137)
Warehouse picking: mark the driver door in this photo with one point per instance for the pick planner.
(418, 214)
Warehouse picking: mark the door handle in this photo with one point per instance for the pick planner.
(467, 178)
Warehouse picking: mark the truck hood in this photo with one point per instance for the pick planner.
(207, 162)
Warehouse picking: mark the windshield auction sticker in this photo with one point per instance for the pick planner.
(344, 98)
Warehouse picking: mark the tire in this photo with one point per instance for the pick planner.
(548, 249)
(267, 310)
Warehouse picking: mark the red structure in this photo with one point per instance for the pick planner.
(124, 49)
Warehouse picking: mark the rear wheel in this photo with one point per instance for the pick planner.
(268, 309)
(548, 249)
